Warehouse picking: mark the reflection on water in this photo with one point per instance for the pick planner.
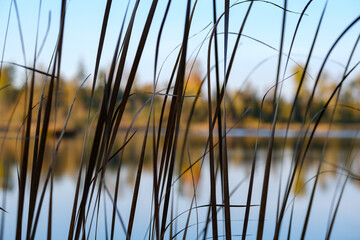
(240, 152)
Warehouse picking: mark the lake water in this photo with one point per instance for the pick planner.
(339, 151)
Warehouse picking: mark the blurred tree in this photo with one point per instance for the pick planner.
(6, 75)
(355, 88)
(10, 93)
(81, 72)
(350, 97)
(193, 84)
(303, 96)
(192, 87)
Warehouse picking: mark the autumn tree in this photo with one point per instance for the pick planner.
(9, 94)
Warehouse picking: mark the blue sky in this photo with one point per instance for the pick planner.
(84, 19)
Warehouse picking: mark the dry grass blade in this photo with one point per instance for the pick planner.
(101, 44)
(156, 144)
(37, 166)
(97, 64)
(337, 89)
(330, 228)
(265, 185)
(44, 131)
(138, 177)
(125, 97)
(50, 208)
(24, 164)
(20, 30)
(175, 114)
(45, 36)
(99, 53)
(25, 152)
(88, 176)
(293, 106)
(227, 133)
(32, 69)
(104, 122)
(291, 177)
(164, 162)
(253, 167)
(218, 115)
(192, 201)
(211, 159)
(217, 77)
(49, 172)
(105, 220)
(5, 38)
(223, 147)
(117, 210)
